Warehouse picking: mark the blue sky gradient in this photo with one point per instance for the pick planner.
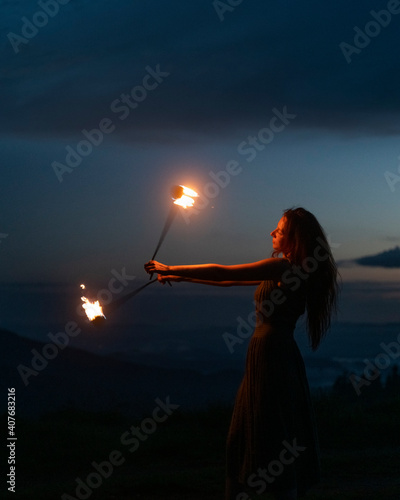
(213, 89)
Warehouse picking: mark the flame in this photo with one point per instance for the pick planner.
(92, 309)
(186, 200)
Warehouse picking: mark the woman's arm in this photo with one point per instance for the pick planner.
(267, 269)
(164, 279)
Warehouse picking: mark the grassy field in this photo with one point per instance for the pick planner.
(183, 457)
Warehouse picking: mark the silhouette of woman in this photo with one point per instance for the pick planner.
(272, 443)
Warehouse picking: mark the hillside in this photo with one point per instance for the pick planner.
(79, 379)
(183, 459)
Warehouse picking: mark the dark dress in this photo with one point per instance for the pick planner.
(272, 441)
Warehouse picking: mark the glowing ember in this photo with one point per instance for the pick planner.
(186, 198)
(93, 310)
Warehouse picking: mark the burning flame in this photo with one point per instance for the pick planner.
(92, 309)
(186, 199)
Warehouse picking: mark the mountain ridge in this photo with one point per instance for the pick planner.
(88, 381)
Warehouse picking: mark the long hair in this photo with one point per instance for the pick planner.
(306, 246)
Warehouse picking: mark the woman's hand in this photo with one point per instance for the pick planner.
(156, 267)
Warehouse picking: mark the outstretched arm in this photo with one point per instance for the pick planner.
(267, 269)
(163, 279)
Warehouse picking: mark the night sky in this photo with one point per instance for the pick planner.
(293, 101)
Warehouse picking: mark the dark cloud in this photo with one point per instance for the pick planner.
(223, 75)
(388, 259)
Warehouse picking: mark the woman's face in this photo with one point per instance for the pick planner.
(278, 236)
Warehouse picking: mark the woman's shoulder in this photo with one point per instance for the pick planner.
(276, 267)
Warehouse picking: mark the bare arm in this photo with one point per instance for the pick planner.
(164, 279)
(267, 269)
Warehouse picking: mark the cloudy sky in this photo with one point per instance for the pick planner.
(259, 106)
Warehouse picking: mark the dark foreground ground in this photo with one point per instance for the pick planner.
(183, 457)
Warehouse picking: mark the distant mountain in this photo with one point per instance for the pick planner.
(84, 380)
(387, 258)
(127, 369)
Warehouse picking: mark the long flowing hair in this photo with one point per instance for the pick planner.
(306, 245)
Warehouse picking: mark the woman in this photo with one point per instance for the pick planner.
(272, 443)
